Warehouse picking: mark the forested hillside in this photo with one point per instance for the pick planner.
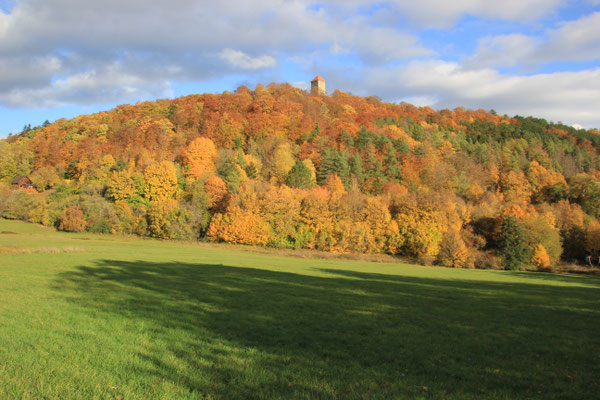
(278, 167)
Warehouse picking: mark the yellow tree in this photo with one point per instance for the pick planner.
(239, 226)
(161, 181)
(216, 189)
(199, 157)
(121, 186)
(454, 252)
(379, 225)
(543, 181)
(541, 229)
(317, 220)
(335, 185)
(420, 231)
(161, 188)
(541, 258)
(281, 162)
(280, 208)
(515, 187)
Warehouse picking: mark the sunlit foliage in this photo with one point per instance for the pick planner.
(274, 166)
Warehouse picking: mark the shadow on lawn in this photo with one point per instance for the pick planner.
(249, 333)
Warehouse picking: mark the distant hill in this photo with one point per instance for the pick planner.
(278, 167)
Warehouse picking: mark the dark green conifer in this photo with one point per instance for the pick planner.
(513, 246)
(300, 176)
(231, 174)
(251, 171)
(334, 162)
(356, 168)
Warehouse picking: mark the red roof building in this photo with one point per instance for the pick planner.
(317, 86)
(22, 182)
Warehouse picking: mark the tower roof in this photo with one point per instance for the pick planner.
(318, 78)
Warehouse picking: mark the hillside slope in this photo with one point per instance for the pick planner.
(278, 167)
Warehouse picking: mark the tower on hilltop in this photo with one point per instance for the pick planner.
(317, 86)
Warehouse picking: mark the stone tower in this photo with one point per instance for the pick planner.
(317, 86)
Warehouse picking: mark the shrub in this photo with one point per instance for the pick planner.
(454, 252)
(72, 220)
(541, 258)
(486, 260)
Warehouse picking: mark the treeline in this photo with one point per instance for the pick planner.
(278, 167)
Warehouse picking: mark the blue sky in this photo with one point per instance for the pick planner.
(62, 58)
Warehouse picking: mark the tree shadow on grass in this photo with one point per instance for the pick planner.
(590, 278)
(250, 333)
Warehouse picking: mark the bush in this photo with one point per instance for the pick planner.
(72, 220)
(540, 258)
(23, 205)
(486, 260)
(454, 252)
(99, 214)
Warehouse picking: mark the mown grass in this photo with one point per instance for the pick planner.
(138, 319)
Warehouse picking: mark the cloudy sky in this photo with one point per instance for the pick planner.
(61, 58)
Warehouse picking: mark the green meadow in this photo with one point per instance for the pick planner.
(87, 316)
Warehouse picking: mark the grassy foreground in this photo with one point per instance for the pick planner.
(103, 317)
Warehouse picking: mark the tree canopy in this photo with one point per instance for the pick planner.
(278, 167)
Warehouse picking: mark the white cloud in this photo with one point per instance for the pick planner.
(4, 23)
(20, 72)
(239, 59)
(573, 97)
(577, 40)
(58, 52)
(173, 26)
(176, 40)
(383, 44)
(301, 85)
(109, 84)
(440, 14)
(574, 40)
(420, 101)
(444, 14)
(503, 51)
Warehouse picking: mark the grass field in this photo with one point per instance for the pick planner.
(103, 317)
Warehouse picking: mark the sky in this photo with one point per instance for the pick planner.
(62, 58)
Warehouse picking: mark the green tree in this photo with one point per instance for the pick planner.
(401, 146)
(196, 202)
(230, 172)
(347, 139)
(334, 162)
(15, 160)
(392, 167)
(251, 171)
(300, 176)
(513, 244)
(44, 178)
(356, 168)
(585, 190)
(313, 134)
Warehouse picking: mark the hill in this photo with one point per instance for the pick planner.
(278, 167)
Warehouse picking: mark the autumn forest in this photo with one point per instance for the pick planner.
(278, 167)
